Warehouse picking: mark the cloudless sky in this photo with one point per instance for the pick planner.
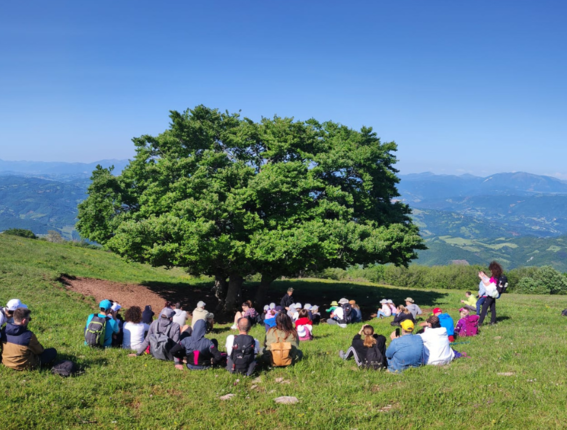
(477, 86)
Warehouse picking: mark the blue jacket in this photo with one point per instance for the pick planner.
(110, 329)
(357, 317)
(446, 321)
(404, 352)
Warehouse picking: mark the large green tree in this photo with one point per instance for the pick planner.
(224, 196)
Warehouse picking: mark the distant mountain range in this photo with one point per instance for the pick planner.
(517, 218)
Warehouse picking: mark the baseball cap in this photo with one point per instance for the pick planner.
(116, 307)
(407, 325)
(14, 304)
(409, 299)
(343, 301)
(437, 311)
(105, 304)
(168, 313)
(334, 303)
(201, 304)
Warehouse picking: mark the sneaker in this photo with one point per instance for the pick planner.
(234, 327)
(342, 354)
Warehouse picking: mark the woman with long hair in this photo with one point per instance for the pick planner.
(368, 351)
(304, 326)
(247, 312)
(402, 315)
(283, 332)
(134, 329)
(499, 280)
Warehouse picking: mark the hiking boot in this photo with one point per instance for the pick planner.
(342, 354)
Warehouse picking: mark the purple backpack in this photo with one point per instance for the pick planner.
(470, 328)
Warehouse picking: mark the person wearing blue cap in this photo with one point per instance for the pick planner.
(110, 324)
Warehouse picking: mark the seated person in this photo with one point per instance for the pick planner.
(282, 332)
(393, 307)
(95, 323)
(20, 348)
(385, 310)
(117, 338)
(7, 313)
(201, 353)
(180, 317)
(470, 302)
(315, 315)
(356, 312)
(247, 312)
(370, 351)
(309, 308)
(134, 329)
(437, 348)
(148, 315)
(337, 316)
(403, 314)
(406, 349)
(334, 305)
(270, 320)
(242, 350)
(199, 313)
(164, 325)
(413, 308)
(304, 326)
(467, 325)
(446, 321)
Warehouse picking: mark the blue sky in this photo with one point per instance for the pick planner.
(477, 87)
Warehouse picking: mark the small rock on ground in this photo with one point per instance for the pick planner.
(286, 400)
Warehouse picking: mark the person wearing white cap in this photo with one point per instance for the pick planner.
(338, 314)
(295, 316)
(392, 307)
(117, 338)
(315, 315)
(200, 313)
(307, 307)
(7, 313)
(272, 306)
(385, 311)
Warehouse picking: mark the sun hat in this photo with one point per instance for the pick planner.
(390, 301)
(116, 307)
(272, 305)
(167, 313)
(14, 304)
(267, 308)
(105, 304)
(334, 303)
(407, 325)
(437, 311)
(314, 308)
(409, 299)
(343, 301)
(307, 307)
(298, 306)
(201, 304)
(383, 301)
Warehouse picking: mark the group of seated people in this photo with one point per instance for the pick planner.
(21, 349)
(344, 312)
(401, 312)
(429, 346)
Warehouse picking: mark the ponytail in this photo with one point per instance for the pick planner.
(369, 340)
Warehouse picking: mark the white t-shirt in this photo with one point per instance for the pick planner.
(180, 317)
(230, 342)
(437, 349)
(134, 335)
(338, 313)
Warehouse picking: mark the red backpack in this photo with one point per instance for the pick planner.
(470, 328)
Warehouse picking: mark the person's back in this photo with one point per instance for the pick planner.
(414, 309)
(103, 319)
(201, 352)
(162, 336)
(437, 348)
(467, 326)
(180, 317)
(304, 326)
(404, 352)
(368, 351)
(447, 322)
(134, 330)
(200, 313)
(242, 350)
(148, 315)
(283, 332)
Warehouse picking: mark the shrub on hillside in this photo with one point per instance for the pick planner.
(54, 236)
(21, 232)
(544, 280)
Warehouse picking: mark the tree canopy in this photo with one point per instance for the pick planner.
(225, 196)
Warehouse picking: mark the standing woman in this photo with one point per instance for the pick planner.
(498, 279)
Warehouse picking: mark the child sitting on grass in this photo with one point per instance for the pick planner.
(470, 302)
(467, 325)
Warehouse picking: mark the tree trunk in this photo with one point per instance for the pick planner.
(262, 291)
(234, 293)
(220, 289)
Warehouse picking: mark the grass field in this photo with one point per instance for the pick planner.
(516, 376)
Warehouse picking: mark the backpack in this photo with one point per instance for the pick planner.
(281, 353)
(243, 353)
(160, 344)
(564, 312)
(95, 331)
(374, 358)
(347, 313)
(64, 368)
(304, 333)
(502, 285)
(470, 328)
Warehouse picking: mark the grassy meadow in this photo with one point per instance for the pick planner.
(516, 376)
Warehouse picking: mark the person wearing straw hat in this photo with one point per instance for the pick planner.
(412, 307)
(384, 311)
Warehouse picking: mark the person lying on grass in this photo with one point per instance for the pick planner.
(405, 350)
(134, 329)
(304, 326)
(20, 348)
(282, 332)
(163, 326)
(242, 350)
(247, 312)
(469, 302)
(437, 348)
(403, 314)
(201, 353)
(370, 351)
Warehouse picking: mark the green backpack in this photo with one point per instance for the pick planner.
(94, 333)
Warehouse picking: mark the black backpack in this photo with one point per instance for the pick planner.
(347, 313)
(502, 285)
(64, 368)
(95, 331)
(242, 354)
(374, 359)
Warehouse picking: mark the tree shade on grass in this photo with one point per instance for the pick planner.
(227, 197)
